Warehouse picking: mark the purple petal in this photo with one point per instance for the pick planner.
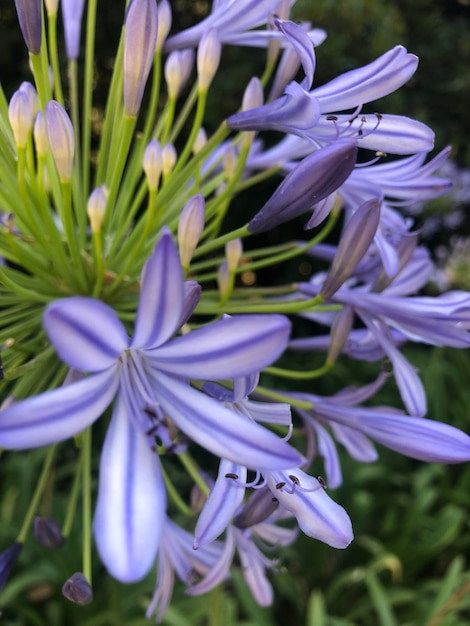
(86, 333)
(162, 293)
(224, 499)
(303, 45)
(370, 82)
(130, 510)
(231, 347)
(225, 433)
(317, 514)
(59, 414)
(358, 445)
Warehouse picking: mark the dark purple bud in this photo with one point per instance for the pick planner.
(29, 17)
(77, 589)
(354, 243)
(315, 178)
(48, 532)
(7, 560)
(259, 506)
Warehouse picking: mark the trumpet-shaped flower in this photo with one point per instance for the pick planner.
(148, 375)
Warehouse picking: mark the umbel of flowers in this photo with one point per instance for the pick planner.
(122, 296)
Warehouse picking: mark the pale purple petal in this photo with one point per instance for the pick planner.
(220, 571)
(253, 565)
(303, 45)
(86, 333)
(59, 414)
(269, 412)
(231, 347)
(358, 445)
(130, 510)
(224, 499)
(317, 514)
(161, 304)
(370, 82)
(327, 449)
(223, 432)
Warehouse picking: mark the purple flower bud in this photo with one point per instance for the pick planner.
(190, 227)
(32, 94)
(72, 12)
(20, 116)
(7, 560)
(40, 135)
(29, 17)
(259, 506)
(233, 252)
(153, 164)
(61, 139)
(318, 175)
(77, 589)
(208, 59)
(164, 22)
(354, 243)
(48, 532)
(340, 330)
(96, 207)
(139, 48)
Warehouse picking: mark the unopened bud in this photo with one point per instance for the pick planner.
(48, 532)
(32, 94)
(96, 207)
(229, 162)
(29, 17)
(259, 506)
(164, 22)
(40, 135)
(223, 280)
(354, 243)
(169, 157)
(340, 329)
(174, 73)
(233, 253)
(190, 227)
(61, 139)
(153, 164)
(253, 96)
(7, 559)
(77, 589)
(200, 141)
(51, 6)
(20, 116)
(208, 58)
(140, 39)
(72, 13)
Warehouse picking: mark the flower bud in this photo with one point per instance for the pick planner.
(61, 139)
(96, 207)
(174, 74)
(208, 58)
(223, 279)
(153, 164)
(200, 141)
(233, 252)
(77, 589)
(72, 12)
(29, 17)
(32, 94)
(229, 162)
(139, 48)
(354, 243)
(7, 559)
(40, 135)
(48, 532)
(259, 506)
(340, 329)
(190, 227)
(169, 157)
(51, 6)
(20, 116)
(164, 22)
(316, 176)
(253, 96)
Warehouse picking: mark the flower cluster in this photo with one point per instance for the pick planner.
(122, 288)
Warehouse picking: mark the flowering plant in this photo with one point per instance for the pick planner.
(122, 287)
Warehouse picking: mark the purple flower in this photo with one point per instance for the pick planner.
(311, 114)
(148, 375)
(29, 17)
(7, 560)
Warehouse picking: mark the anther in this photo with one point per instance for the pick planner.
(232, 476)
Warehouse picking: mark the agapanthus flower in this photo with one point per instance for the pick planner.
(148, 375)
(312, 114)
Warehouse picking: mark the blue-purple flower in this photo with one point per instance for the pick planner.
(148, 376)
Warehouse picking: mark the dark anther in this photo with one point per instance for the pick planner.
(232, 476)
(280, 485)
(274, 499)
(294, 479)
(331, 118)
(322, 482)
(360, 132)
(378, 116)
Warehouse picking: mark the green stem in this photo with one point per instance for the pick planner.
(87, 509)
(193, 470)
(72, 504)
